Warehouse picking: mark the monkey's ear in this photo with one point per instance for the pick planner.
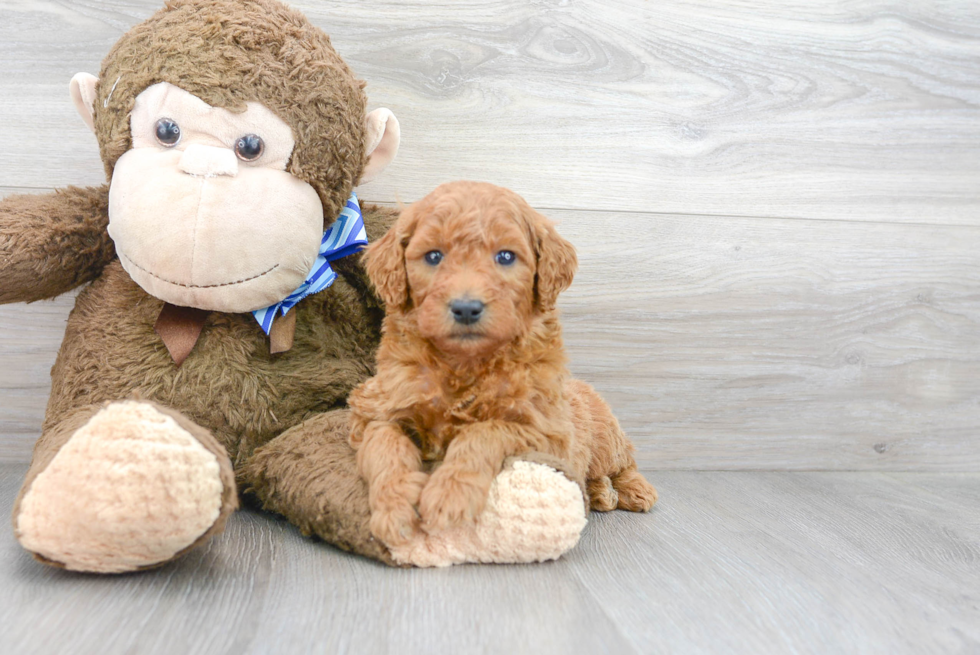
(557, 262)
(82, 89)
(383, 135)
(384, 261)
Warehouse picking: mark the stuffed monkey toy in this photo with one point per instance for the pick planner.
(227, 314)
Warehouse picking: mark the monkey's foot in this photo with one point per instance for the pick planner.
(132, 488)
(533, 514)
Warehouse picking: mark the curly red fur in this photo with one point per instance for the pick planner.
(465, 396)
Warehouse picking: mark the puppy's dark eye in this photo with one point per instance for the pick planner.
(167, 132)
(250, 147)
(433, 257)
(505, 258)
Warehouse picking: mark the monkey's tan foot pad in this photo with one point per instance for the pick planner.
(533, 514)
(130, 489)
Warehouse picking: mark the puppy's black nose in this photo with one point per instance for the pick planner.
(466, 312)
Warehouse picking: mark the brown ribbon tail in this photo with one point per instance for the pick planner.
(179, 328)
(282, 332)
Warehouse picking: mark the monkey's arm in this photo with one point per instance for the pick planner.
(52, 243)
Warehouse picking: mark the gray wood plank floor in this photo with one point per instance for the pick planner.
(729, 562)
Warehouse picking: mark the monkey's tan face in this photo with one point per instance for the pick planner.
(202, 210)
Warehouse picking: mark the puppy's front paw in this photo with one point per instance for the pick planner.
(394, 527)
(394, 519)
(450, 499)
(635, 493)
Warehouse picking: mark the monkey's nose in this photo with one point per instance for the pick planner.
(466, 312)
(208, 161)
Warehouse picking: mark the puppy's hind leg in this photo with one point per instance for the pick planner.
(634, 492)
(603, 497)
(613, 479)
(628, 490)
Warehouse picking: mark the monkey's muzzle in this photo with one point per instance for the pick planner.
(196, 229)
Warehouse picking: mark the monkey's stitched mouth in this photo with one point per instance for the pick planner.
(197, 286)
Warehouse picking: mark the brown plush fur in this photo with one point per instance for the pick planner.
(231, 383)
(235, 394)
(472, 395)
(290, 473)
(53, 243)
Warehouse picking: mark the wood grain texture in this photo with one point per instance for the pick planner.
(31, 336)
(860, 110)
(727, 343)
(728, 562)
(793, 563)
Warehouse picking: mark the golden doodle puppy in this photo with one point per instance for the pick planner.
(471, 367)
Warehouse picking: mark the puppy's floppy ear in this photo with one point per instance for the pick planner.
(384, 261)
(557, 261)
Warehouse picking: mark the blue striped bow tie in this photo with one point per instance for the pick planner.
(345, 237)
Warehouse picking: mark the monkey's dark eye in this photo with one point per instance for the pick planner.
(505, 258)
(249, 147)
(168, 132)
(433, 257)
